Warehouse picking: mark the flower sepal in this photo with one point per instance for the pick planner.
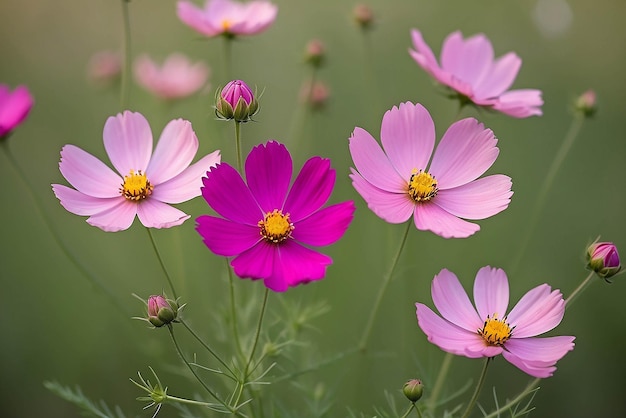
(603, 258)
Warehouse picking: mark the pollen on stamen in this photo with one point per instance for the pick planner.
(136, 186)
(496, 331)
(276, 226)
(422, 186)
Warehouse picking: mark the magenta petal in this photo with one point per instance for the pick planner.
(155, 214)
(311, 189)
(268, 173)
(174, 152)
(297, 265)
(538, 311)
(325, 226)
(258, 263)
(430, 217)
(81, 204)
(128, 142)
(491, 293)
(478, 199)
(88, 174)
(14, 107)
(117, 218)
(225, 191)
(394, 208)
(226, 238)
(452, 302)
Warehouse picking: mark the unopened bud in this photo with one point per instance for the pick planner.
(586, 103)
(602, 257)
(161, 311)
(236, 101)
(363, 16)
(413, 390)
(315, 53)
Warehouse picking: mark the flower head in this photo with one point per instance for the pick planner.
(147, 182)
(399, 182)
(236, 101)
(104, 67)
(161, 311)
(586, 103)
(265, 222)
(363, 16)
(468, 67)
(315, 53)
(488, 330)
(228, 18)
(603, 258)
(14, 108)
(177, 78)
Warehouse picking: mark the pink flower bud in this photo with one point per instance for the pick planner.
(236, 101)
(586, 103)
(602, 257)
(161, 311)
(14, 108)
(315, 53)
(413, 390)
(363, 16)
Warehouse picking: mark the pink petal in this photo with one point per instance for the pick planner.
(81, 204)
(394, 208)
(538, 311)
(194, 17)
(311, 189)
(465, 152)
(491, 293)
(187, 184)
(259, 15)
(174, 152)
(537, 356)
(469, 60)
(155, 214)
(128, 141)
(227, 194)
(520, 103)
(88, 174)
(500, 78)
(268, 173)
(408, 136)
(430, 217)
(452, 302)
(373, 164)
(325, 226)
(14, 107)
(478, 199)
(117, 218)
(226, 238)
(257, 262)
(423, 55)
(297, 265)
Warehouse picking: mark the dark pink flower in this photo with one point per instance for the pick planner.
(265, 223)
(488, 330)
(603, 258)
(236, 101)
(161, 311)
(468, 67)
(14, 107)
(177, 78)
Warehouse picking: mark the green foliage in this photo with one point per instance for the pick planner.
(87, 407)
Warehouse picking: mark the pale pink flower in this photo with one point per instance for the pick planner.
(104, 67)
(14, 107)
(226, 17)
(487, 330)
(468, 67)
(398, 182)
(148, 182)
(177, 78)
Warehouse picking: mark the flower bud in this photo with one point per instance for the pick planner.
(413, 390)
(315, 53)
(586, 103)
(363, 16)
(315, 95)
(602, 257)
(161, 311)
(236, 101)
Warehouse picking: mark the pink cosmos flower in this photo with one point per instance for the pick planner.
(176, 79)
(468, 67)
(265, 223)
(14, 107)
(488, 330)
(226, 17)
(148, 182)
(398, 182)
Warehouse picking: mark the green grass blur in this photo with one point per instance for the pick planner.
(57, 326)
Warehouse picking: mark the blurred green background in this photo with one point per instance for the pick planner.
(58, 326)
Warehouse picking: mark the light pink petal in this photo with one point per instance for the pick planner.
(423, 55)
(430, 217)
(372, 163)
(257, 263)
(268, 173)
(520, 103)
(128, 142)
(187, 184)
(226, 238)
(81, 204)
(117, 218)
(297, 265)
(259, 15)
(469, 60)
(478, 199)
(452, 302)
(194, 17)
(311, 189)
(491, 293)
(538, 356)
(325, 226)
(155, 214)
(538, 311)
(394, 208)
(88, 174)
(500, 78)
(408, 136)
(465, 152)
(174, 152)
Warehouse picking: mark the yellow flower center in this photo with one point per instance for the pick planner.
(496, 331)
(136, 186)
(422, 186)
(276, 226)
(226, 24)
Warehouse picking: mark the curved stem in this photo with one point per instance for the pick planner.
(531, 386)
(387, 279)
(257, 334)
(408, 411)
(570, 299)
(125, 88)
(233, 311)
(441, 378)
(479, 386)
(158, 254)
(206, 346)
(238, 146)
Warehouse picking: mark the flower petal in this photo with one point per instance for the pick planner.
(226, 238)
(325, 226)
(500, 77)
(297, 265)
(478, 199)
(81, 204)
(155, 214)
(268, 173)
(393, 207)
(423, 55)
(116, 218)
(88, 174)
(538, 356)
(491, 293)
(257, 262)
(520, 103)
(452, 302)
(174, 152)
(193, 16)
(259, 15)
(468, 60)
(430, 217)
(311, 189)
(538, 311)
(128, 141)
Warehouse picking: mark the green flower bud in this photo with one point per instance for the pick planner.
(413, 390)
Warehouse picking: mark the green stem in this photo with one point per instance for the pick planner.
(387, 279)
(441, 378)
(408, 411)
(570, 299)
(238, 146)
(326, 362)
(206, 346)
(233, 310)
(125, 88)
(158, 254)
(228, 56)
(531, 386)
(479, 386)
(186, 401)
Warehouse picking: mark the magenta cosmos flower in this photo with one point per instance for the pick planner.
(226, 17)
(177, 78)
(14, 107)
(148, 182)
(265, 223)
(468, 67)
(398, 182)
(488, 330)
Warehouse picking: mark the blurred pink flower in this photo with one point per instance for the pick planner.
(14, 107)
(148, 182)
(177, 78)
(487, 330)
(104, 67)
(316, 96)
(265, 223)
(468, 67)
(226, 17)
(397, 182)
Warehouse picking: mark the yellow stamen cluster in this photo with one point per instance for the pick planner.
(276, 226)
(496, 331)
(136, 186)
(422, 186)
(226, 24)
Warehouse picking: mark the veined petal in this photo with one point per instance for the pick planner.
(540, 370)
(430, 217)
(325, 226)
(520, 103)
(548, 349)
(81, 204)
(88, 174)
(478, 199)
(469, 60)
(393, 207)
(155, 214)
(226, 238)
(116, 218)
(174, 152)
(257, 262)
(128, 141)
(311, 189)
(538, 311)
(296, 265)
(491, 293)
(268, 173)
(423, 55)
(452, 302)
(500, 77)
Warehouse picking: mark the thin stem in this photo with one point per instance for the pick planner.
(570, 299)
(238, 146)
(408, 411)
(257, 334)
(206, 346)
(125, 88)
(186, 401)
(387, 279)
(566, 145)
(479, 386)
(233, 310)
(441, 378)
(228, 56)
(326, 362)
(531, 386)
(158, 254)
